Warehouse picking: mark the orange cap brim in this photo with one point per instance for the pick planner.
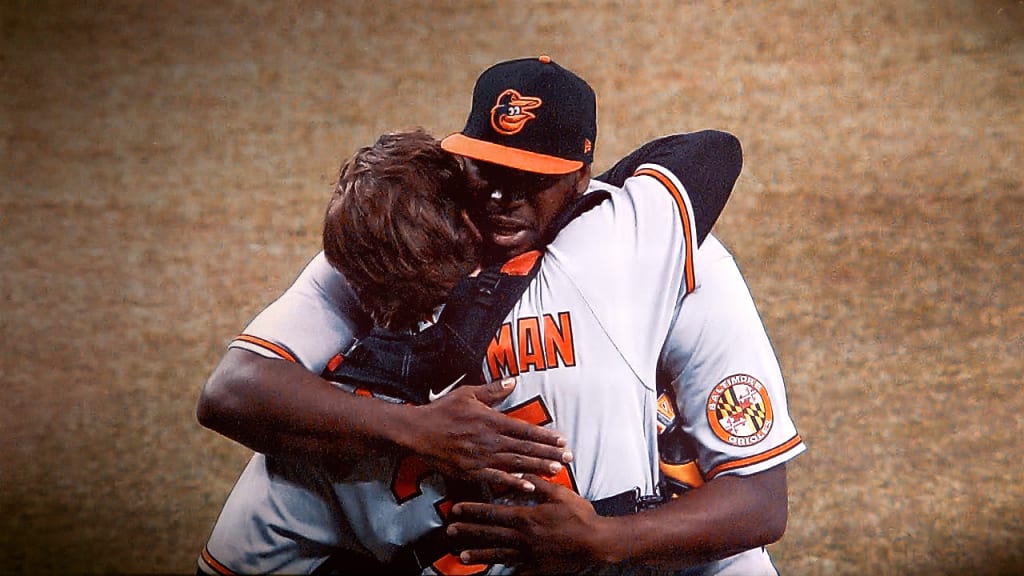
(517, 158)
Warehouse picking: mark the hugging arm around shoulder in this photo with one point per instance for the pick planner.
(267, 394)
(707, 163)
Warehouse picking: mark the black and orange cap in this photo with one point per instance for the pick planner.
(529, 114)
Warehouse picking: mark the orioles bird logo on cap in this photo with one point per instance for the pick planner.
(512, 112)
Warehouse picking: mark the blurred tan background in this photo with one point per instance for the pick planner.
(165, 165)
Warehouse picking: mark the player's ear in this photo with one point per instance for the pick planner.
(583, 180)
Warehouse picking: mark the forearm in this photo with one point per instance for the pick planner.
(726, 516)
(563, 534)
(278, 407)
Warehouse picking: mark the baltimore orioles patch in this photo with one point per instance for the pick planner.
(739, 410)
(512, 111)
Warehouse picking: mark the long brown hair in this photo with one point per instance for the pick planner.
(393, 228)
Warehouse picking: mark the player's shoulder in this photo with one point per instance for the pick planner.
(717, 271)
(646, 202)
(320, 286)
(319, 277)
(319, 270)
(650, 183)
(712, 253)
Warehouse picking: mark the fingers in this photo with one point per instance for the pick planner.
(527, 439)
(468, 535)
(485, 543)
(530, 434)
(541, 466)
(495, 391)
(544, 489)
(498, 479)
(486, 445)
(516, 455)
(486, 534)
(493, 515)
(506, 556)
(509, 470)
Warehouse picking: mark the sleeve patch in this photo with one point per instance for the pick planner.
(739, 410)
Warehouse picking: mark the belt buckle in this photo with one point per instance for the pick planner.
(647, 502)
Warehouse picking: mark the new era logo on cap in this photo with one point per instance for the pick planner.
(529, 114)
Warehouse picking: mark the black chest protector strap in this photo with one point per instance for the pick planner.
(409, 366)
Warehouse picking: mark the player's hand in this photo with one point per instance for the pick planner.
(462, 436)
(560, 534)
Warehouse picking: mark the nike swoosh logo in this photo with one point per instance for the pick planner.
(431, 396)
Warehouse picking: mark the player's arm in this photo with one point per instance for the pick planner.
(278, 407)
(265, 394)
(706, 162)
(563, 534)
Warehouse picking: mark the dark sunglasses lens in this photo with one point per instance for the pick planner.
(516, 185)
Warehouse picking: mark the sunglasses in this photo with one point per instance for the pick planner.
(510, 184)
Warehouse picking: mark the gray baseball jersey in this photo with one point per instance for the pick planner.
(583, 337)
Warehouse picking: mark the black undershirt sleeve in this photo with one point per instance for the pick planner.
(706, 162)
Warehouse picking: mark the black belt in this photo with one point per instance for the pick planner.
(625, 504)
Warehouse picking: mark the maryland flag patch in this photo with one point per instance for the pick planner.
(739, 410)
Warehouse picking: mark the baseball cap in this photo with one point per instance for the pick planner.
(529, 114)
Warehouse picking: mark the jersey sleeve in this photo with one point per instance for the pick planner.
(629, 259)
(707, 163)
(315, 318)
(726, 378)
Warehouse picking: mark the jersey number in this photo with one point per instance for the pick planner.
(411, 471)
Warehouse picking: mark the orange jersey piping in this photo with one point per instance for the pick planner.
(266, 344)
(755, 459)
(681, 203)
(214, 564)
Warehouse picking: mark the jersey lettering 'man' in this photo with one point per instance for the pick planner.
(536, 344)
